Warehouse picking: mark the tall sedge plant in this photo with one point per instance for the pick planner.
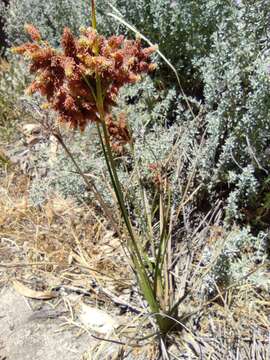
(81, 84)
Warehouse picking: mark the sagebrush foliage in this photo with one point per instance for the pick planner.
(183, 30)
(13, 80)
(239, 252)
(54, 173)
(237, 104)
(49, 16)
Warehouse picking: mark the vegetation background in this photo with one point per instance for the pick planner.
(218, 126)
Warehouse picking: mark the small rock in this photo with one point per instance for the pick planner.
(96, 319)
(31, 129)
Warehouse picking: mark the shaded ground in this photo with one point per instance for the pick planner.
(28, 334)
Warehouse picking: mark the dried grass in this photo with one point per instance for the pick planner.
(64, 240)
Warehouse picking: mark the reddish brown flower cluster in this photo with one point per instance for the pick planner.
(67, 78)
(118, 131)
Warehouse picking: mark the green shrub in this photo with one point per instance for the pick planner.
(182, 29)
(221, 47)
(237, 105)
(49, 16)
(236, 263)
(13, 81)
(57, 174)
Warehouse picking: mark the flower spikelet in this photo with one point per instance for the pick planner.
(68, 43)
(118, 131)
(33, 32)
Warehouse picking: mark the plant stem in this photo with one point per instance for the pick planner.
(93, 16)
(144, 280)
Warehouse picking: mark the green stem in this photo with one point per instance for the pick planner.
(93, 16)
(145, 283)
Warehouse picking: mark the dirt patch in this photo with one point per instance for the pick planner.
(27, 335)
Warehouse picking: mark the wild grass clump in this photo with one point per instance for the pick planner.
(81, 84)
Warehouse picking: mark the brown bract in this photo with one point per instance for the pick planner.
(67, 77)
